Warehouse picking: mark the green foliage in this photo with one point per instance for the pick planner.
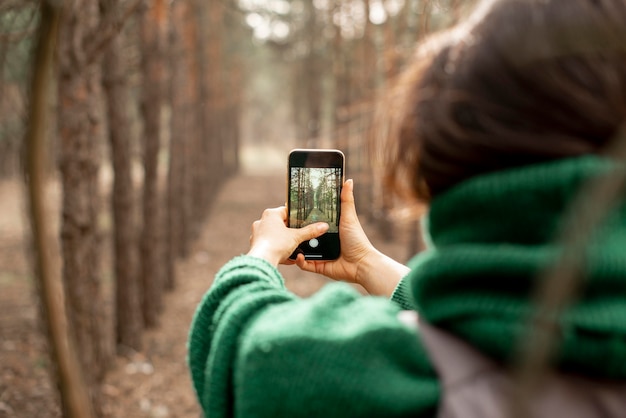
(18, 22)
(17, 31)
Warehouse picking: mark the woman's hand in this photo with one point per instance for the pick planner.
(273, 241)
(359, 261)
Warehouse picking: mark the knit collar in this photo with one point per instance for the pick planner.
(491, 236)
(521, 206)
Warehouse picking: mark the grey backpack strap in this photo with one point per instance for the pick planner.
(474, 386)
(455, 360)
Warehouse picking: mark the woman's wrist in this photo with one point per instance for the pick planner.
(379, 274)
(264, 251)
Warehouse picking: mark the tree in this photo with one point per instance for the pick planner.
(192, 108)
(218, 99)
(182, 120)
(153, 267)
(312, 76)
(79, 126)
(18, 21)
(73, 392)
(128, 315)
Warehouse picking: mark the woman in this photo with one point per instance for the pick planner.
(504, 118)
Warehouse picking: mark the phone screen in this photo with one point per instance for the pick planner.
(314, 196)
(314, 190)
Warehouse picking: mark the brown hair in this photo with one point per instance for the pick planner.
(519, 82)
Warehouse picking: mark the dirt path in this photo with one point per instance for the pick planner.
(163, 389)
(155, 383)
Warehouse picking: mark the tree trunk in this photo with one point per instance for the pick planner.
(336, 67)
(341, 53)
(231, 140)
(79, 131)
(216, 104)
(313, 79)
(73, 392)
(179, 138)
(152, 261)
(368, 76)
(128, 321)
(187, 29)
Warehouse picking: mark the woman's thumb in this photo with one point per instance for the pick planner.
(348, 209)
(312, 231)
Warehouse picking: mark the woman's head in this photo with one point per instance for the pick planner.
(519, 82)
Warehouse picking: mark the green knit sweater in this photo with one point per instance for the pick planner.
(256, 350)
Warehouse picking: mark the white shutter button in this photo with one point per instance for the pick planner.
(314, 243)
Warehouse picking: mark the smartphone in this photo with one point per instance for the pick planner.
(315, 179)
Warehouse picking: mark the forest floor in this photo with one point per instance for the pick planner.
(154, 383)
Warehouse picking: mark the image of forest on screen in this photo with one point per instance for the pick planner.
(314, 196)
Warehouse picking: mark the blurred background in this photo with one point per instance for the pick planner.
(154, 132)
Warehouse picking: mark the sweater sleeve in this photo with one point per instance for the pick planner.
(256, 349)
(402, 295)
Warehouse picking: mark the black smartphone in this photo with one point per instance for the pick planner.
(315, 179)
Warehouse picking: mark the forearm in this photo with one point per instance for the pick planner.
(380, 274)
(242, 288)
(306, 358)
